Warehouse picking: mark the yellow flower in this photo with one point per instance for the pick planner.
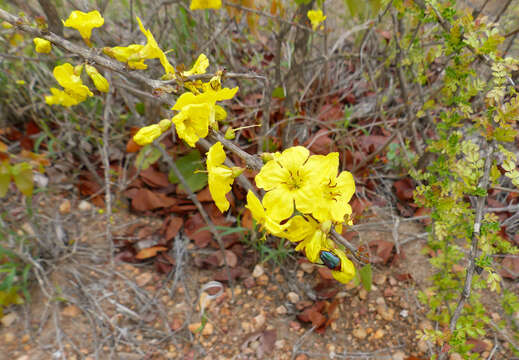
(152, 50)
(258, 213)
(59, 97)
(342, 268)
(99, 80)
(42, 46)
(147, 134)
(205, 4)
(210, 98)
(220, 177)
(84, 23)
(72, 83)
(334, 192)
(199, 67)
(291, 177)
(316, 17)
(192, 123)
(310, 235)
(125, 53)
(220, 113)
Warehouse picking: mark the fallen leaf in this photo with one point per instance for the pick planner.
(381, 251)
(145, 199)
(192, 228)
(404, 189)
(510, 267)
(174, 224)
(149, 252)
(154, 178)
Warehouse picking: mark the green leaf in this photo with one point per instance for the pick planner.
(5, 177)
(22, 175)
(366, 276)
(188, 165)
(148, 156)
(139, 107)
(278, 93)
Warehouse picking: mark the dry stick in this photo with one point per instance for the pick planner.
(53, 20)
(339, 239)
(480, 205)
(106, 164)
(191, 196)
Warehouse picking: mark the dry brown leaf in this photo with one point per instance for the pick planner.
(150, 252)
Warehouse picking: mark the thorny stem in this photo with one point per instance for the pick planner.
(480, 205)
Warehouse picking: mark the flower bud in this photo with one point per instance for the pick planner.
(42, 46)
(147, 134)
(165, 124)
(237, 171)
(99, 80)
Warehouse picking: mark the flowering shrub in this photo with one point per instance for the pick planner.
(305, 200)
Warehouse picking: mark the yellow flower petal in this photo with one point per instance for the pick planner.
(199, 67)
(347, 271)
(147, 134)
(42, 46)
(59, 97)
(205, 4)
(84, 23)
(127, 54)
(192, 123)
(152, 50)
(99, 80)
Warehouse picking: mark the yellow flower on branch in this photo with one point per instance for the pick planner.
(316, 17)
(291, 177)
(220, 177)
(42, 46)
(84, 23)
(205, 4)
(147, 134)
(310, 235)
(210, 98)
(99, 80)
(59, 97)
(152, 50)
(192, 123)
(71, 82)
(127, 54)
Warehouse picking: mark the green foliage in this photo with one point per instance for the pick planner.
(474, 117)
(14, 274)
(190, 167)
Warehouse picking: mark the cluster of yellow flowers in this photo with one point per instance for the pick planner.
(316, 17)
(305, 196)
(304, 199)
(69, 76)
(75, 92)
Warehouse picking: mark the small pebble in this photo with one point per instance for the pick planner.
(293, 297)
(258, 271)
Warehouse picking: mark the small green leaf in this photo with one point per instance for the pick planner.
(366, 276)
(188, 165)
(22, 175)
(5, 177)
(148, 156)
(278, 93)
(139, 107)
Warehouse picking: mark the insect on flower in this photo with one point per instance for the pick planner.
(332, 261)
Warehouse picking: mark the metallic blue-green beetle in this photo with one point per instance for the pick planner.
(332, 261)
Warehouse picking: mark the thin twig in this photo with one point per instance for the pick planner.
(480, 205)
